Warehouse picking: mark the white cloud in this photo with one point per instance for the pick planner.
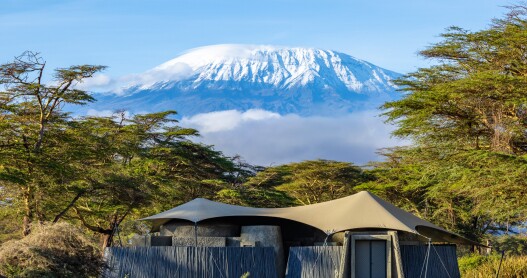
(106, 113)
(105, 83)
(226, 120)
(99, 81)
(99, 113)
(266, 138)
(178, 71)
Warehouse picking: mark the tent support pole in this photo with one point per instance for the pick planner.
(196, 234)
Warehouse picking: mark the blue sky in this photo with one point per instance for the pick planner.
(131, 36)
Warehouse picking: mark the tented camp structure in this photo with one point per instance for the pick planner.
(357, 236)
(359, 211)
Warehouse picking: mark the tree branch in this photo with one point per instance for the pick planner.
(97, 229)
(72, 202)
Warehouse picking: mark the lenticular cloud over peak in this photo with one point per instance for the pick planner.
(201, 56)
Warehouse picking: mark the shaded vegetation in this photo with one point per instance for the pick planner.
(472, 192)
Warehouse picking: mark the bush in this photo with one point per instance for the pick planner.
(53, 250)
(472, 261)
(478, 266)
(513, 245)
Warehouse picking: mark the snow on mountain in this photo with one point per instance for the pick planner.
(305, 81)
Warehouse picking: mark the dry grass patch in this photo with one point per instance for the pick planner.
(52, 250)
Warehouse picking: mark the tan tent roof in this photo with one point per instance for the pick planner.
(359, 211)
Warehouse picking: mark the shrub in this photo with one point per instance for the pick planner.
(472, 261)
(513, 245)
(53, 250)
(477, 266)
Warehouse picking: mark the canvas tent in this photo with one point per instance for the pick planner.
(360, 211)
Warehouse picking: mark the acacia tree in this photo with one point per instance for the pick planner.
(475, 96)
(120, 178)
(312, 181)
(132, 166)
(94, 171)
(29, 112)
(467, 115)
(103, 188)
(470, 192)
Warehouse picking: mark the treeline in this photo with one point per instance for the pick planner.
(466, 169)
(467, 117)
(93, 171)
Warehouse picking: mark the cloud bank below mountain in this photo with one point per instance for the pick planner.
(266, 138)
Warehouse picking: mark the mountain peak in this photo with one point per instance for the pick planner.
(276, 78)
(281, 67)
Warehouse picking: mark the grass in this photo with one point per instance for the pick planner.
(478, 266)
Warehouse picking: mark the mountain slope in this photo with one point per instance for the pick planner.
(304, 81)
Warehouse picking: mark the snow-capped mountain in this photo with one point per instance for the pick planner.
(304, 81)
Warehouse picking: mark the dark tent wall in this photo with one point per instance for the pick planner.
(200, 262)
(442, 261)
(314, 261)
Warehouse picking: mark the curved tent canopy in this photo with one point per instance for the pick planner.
(362, 210)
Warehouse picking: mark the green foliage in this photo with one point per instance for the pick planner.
(467, 117)
(512, 245)
(94, 171)
(32, 128)
(255, 197)
(475, 97)
(8, 216)
(473, 261)
(470, 192)
(479, 266)
(312, 181)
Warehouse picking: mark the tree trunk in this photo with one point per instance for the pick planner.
(28, 213)
(106, 240)
(107, 235)
(40, 138)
